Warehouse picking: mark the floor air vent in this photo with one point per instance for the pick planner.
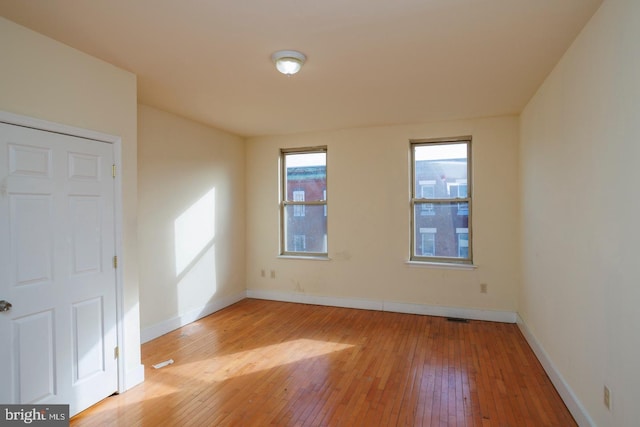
(457, 319)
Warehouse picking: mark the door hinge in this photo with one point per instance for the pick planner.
(115, 261)
(113, 170)
(116, 352)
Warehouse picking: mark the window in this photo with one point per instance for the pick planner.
(463, 208)
(303, 208)
(298, 196)
(427, 191)
(427, 241)
(324, 197)
(441, 201)
(299, 242)
(463, 242)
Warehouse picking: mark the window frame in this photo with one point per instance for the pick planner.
(284, 203)
(457, 202)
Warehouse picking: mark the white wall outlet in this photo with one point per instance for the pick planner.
(483, 288)
(273, 274)
(263, 273)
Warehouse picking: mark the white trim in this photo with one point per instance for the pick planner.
(31, 122)
(396, 307)
(459, 312)
(123, 377)
(442, 265)
(310, 257)
(315, 299)
(574, 405)
(133, 377)
(154, 331)
(44, 125)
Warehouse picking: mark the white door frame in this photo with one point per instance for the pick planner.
(116, 141)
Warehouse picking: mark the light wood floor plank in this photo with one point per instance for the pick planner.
(261, 363)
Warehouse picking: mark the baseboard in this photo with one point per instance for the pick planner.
(133, 377)
(159, 329)
(566, 393)
(314, 299)
(396, 307)
(459, 312)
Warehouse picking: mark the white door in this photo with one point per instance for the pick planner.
(57, 243)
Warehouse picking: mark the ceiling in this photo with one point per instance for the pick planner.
(370, 62)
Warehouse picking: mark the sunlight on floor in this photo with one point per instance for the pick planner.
(221, 368)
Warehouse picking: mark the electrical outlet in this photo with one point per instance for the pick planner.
(483, 288)
(273, 274)
(607, 397)
(263, 273)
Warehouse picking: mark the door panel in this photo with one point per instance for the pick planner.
(31, 229)
(57, 240)
(86, 234)
(25, 160)
(88, 352)
(34, 358)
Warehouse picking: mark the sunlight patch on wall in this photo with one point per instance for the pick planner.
(194, 230)
(198, 284)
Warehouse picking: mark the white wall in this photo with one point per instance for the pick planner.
(368, 201)
(580, 145)
(42, 78)
(192, 220)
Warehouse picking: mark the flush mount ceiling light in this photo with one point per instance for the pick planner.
(288, 62)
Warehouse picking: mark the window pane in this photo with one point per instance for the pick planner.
(443, 164)
(446, 226)
(427, 244)
(463, 242)
(428, 191)
(462, 190)
(298, 196)
(307, 233)
(306, 176)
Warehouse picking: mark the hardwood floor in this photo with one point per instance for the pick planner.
(260, 363)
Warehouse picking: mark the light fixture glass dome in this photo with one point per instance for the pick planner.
(288, 62)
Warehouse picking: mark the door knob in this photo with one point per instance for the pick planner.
(5, 305)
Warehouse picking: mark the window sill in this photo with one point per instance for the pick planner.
(310, 257)
(441, 265)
